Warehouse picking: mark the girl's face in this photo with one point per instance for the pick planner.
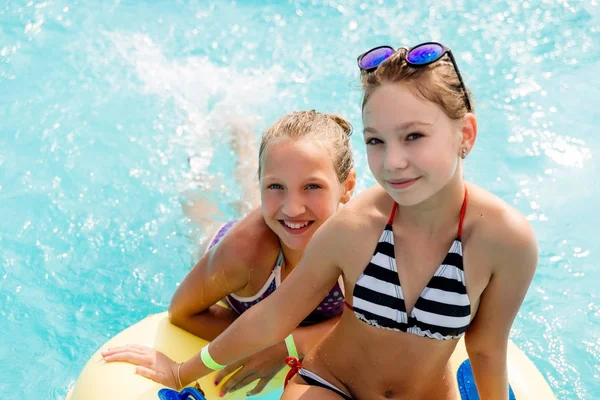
(413, 147)
(299, 189)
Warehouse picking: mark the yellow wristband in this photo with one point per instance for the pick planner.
(208, 360)
(291, 346)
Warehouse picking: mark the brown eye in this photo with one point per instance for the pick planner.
(373, 141)
(414, 136)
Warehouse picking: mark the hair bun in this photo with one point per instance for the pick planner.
(345, 125)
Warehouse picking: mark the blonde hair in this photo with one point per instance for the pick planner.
(437, 82)
(329, 129)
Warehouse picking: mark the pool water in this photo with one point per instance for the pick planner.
(103, 102)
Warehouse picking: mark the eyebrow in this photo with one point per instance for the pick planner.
(399, 128)
(311, 178)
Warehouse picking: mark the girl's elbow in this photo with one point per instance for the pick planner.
(483, 349)
(177, 316)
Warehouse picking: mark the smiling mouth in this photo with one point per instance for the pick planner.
(295, 225)
(402, 182)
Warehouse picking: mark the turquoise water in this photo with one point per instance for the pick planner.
(101, 103)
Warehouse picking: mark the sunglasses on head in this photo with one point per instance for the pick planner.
(418, 56)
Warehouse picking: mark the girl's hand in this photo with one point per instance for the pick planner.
(262, 366)
(151, 363)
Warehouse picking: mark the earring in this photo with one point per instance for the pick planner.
(464, 153)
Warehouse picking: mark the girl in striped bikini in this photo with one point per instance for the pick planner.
(426, 257)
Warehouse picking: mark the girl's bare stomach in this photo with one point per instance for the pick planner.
(374, 363)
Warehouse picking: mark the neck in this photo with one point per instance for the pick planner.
(438, 213)
(292, 257)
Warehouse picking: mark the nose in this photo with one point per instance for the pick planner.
(293, 205)
(395, 157)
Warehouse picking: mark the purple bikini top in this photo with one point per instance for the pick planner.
(331, 306)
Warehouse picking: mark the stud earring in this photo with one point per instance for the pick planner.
(464, 153)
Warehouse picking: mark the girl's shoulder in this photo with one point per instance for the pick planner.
(495, 226)
(366, 209)
(249, 244)
(357, 224)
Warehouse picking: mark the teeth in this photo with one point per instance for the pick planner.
(295, 226)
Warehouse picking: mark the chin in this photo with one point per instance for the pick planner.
(296, 244)
(409, 199)
(406, 203)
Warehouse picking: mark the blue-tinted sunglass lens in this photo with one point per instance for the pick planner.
(425, 53)
(375, 57)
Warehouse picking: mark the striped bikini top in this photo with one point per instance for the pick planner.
(442, 311)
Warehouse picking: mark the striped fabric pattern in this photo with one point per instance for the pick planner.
(442, 311)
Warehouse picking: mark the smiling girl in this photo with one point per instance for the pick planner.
(305, 172)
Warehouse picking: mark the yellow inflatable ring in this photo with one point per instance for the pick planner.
(115, 381)
(103, 381)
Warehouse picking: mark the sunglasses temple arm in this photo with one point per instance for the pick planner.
(460, 79)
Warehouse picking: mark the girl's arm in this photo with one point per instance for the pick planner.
(270, 321)
(264, 365)
(513, 249)
(225, 269)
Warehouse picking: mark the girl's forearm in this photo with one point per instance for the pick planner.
(491, 376)
(253, 331)
(208, 324)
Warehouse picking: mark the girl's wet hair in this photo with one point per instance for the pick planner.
(436, 82)
(329, 129)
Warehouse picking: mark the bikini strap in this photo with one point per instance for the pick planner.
(276, 272)
(280, 258)
(295, 366)
(391, 220)
(463, 209)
